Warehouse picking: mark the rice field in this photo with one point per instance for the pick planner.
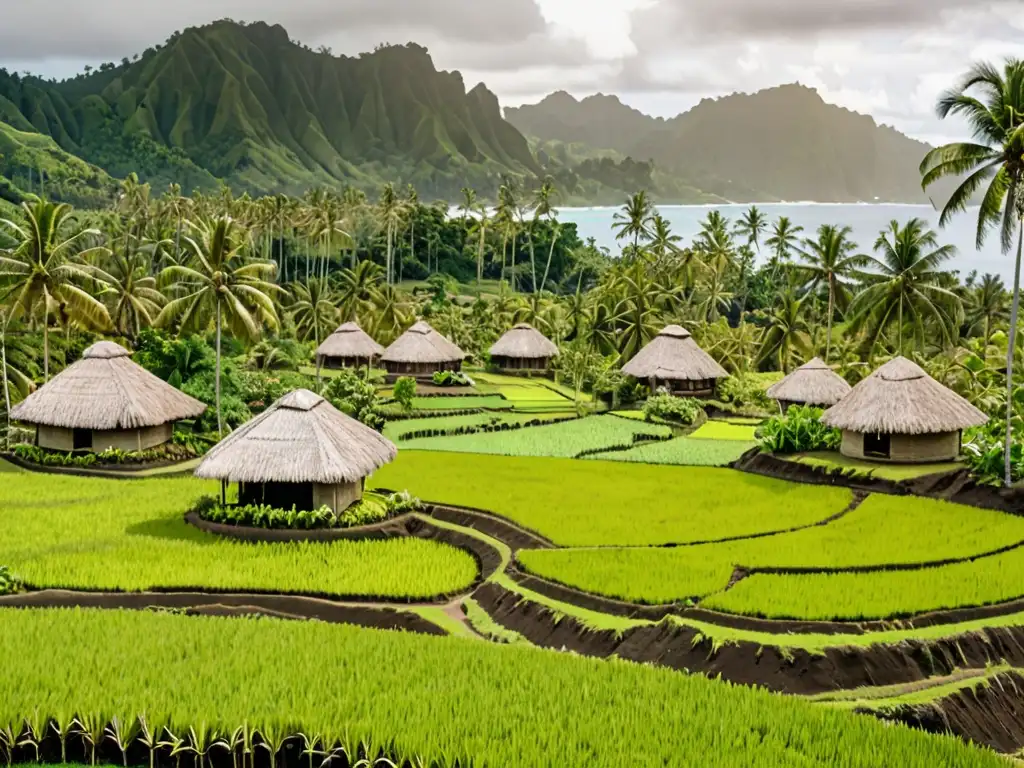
(883, 531)
(394, 430)
(457, 403)
(600, 503)
(429, 701)
(685, 451)
(96, 534)
(564, 440)
(724, 430)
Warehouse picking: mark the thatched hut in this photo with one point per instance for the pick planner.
(348, 347)
(901, 414)
(105, 401)
(673, 361)
(301, 452)
(523, 348)
(421, 352)
(813, 383)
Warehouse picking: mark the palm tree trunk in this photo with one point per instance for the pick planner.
(280, 248)
(504, 250)
(533, 261)
(177, 239)
(480, 257)
(828, 338)
(387, 261)
(46, 347)
(7, 391)
(1015, 307)
(900, 343)
(551, 252)
(220, 421)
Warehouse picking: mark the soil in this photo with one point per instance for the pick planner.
(281, 606)
(784, 670)
(496, 527)
(991, 714)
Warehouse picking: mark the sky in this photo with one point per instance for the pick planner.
(887, 58)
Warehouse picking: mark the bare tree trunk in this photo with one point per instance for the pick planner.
(7, 390)
(551, 252)
(1015, 307)
(46, 346)
(220, 420)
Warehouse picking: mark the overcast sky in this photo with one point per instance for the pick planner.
(889, 58)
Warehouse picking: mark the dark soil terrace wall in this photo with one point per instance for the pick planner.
(788, 671)
(956, 486)
(234, 604)
(991, 713)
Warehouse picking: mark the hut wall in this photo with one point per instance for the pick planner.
(55, 438)
(338, 497)
(521, 364)
(422, 371)
(907, 449)
(686, 387)
(336, 363)
(132, 439)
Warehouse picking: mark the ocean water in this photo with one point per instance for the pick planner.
(866, 220)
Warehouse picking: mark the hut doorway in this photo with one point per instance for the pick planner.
(81, 440)
(877, 446)
(278, 495)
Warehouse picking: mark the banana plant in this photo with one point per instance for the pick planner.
(123, 731)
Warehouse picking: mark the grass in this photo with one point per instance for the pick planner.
(564, 440)
(895, 472)
(454, 403)
(884, 530)
(595, 503)
(97, 534)
(527, 391)
(723, 430)
(394, 430)
(481, 621)
(681, 451)
(888, 697)
(427, 700)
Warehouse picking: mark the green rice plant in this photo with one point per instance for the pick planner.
(683, 451)
(883, 531)
(132, 536)
(599, 503)
(566, 439)
(472, 703)
(724, 430)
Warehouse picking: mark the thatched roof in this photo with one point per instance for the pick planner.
(301, 438)
(422, 344)
(105, 390)
(524, 342)
(350, 341)
(901, 399)
(673, 355)
(813, 383)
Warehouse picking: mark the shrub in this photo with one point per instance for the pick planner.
(405, 391)
(352, 394)
(682, 410)
(746, 391)
(798, 431)
(401, 503)
(8, 583)
(985, 452)
(174, 451)
(450, 379)
(259, 389)
(369, 510)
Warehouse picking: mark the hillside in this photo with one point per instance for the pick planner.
(32, 162)
(245, 104)
(783, 143)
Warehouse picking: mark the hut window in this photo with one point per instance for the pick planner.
(877, 446)
(81, 440)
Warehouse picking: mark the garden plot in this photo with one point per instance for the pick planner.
(685, 451)
(394, 430)
(724, 430)
(418, 699)
(598, 503)
(131, 536)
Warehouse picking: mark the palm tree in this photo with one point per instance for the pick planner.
(752, 225)
(786, 335)
(904, 284)
(547, 197)
(987, 305)
(313, 310)
(479, 228)
(715, 242)
(714, 297)
(663, 240)
(508, 208)
(46, 270)
(358, 289)
(783, 240)
(830, 261)
(390, 210)
(133, 296)
(634, 219)
(994, 160)
(223, 284)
